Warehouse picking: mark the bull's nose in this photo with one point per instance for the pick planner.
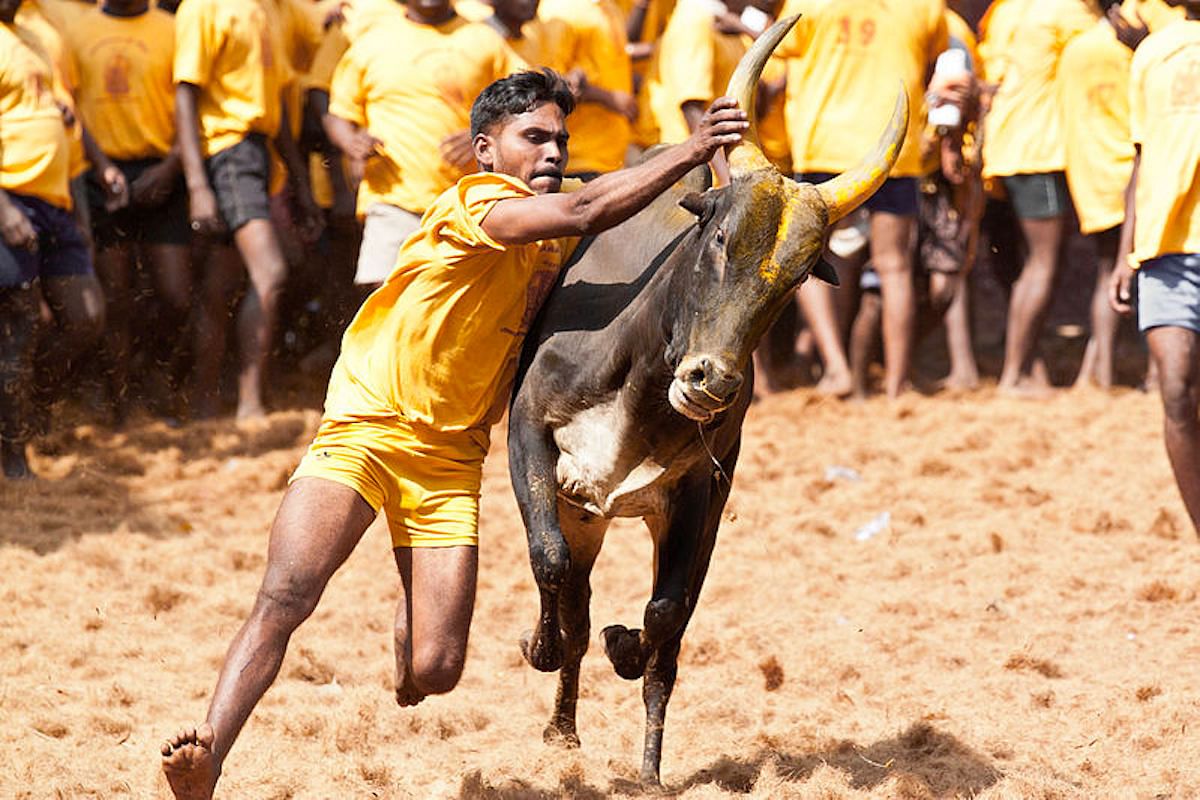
(711, 376)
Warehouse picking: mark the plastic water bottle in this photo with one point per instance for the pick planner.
(952, 63)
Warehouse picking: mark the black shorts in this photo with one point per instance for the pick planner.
(897, 195)
(166, 223)
(61, 249)
(1038, 195)
(240, 177)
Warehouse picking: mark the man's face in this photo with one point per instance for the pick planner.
(530, 146)
(428, 9)
(8, 10)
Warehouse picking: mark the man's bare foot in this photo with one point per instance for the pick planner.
(16, 467)
(835, 384)
(407, 693)
(189, 764)
(1028, 389)
(963, 381)
(250, 410)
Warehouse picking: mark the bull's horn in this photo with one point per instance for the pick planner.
(846, 192)
(743, 87)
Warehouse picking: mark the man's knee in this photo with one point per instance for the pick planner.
(288, 599)
(1178, 389)
(437, 670)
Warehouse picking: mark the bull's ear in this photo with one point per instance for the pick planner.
(700, 204)
(825, 271)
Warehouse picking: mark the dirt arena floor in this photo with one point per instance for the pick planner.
(1024, 626)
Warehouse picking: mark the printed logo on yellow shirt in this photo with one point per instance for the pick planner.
(1185, 88)
(116, 76)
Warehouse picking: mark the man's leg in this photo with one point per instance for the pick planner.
(1098, 363)
(263, 257)
(964, 372)
(433, 618)
(222, 274)
(1030, 298)
(864, 336)
(114, 267)
(1175, 352)
(18, 324)
(820, 312)
(318, 524)
(892, 243)
(77, 305)
(172, 269)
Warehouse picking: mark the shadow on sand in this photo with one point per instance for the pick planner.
(933, 763)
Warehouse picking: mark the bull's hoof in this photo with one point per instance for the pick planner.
(624, 650)
(542, 654)
(561, 736)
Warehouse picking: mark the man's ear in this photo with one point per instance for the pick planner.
(484, 150)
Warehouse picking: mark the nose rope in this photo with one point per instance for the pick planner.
(720, 470)
(704, 388)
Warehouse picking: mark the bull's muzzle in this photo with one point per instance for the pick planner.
(703, 387)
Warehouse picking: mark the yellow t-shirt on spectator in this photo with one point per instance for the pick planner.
(49, 32)
(33, 138)
(1164, 105)
(599, 136)
(438, 342)
(1093, 95)
(694, 62)
(846, 61)
(995, 30)
(772, 122)
(543, 43)
(658, 12)
(125, 92)
(1155, 13)
(233, 50)
(1024, 130)
(412, 104)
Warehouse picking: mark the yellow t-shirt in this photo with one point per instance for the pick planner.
(473, 10)
(1164, 104)
(333, 47)
(995, 30)
(772, 121)
(694, 62)
(846, 60)
(957, 28)
(1024, 127)
(1093, 95)
(361, 15)
(233, 50)
(412, 104)
(658, 12)
(33, 140)
(438, 342)
(48, 30)
(543, 43)
(125, 92)
(599, 136)
(1155, 13)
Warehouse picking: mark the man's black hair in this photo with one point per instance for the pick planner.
(517, 94)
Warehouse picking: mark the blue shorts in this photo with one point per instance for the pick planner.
(1169, 292)
(897, 195)
(61, 249)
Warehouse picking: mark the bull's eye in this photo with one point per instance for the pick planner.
(720, 237)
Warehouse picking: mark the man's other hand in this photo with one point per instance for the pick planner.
(1120, 287)
(153, 186)
(116, 190)
(721, 126)
(16, 228)
(362, 146)
(206, 219)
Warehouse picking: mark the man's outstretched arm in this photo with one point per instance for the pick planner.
(613, 198)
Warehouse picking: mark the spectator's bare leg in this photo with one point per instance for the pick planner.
(18, 324)
(1030, 299)
(964, 372)
(222, 275)
(114, 268)
(172, 268)
(892, 240)
(1175, 351)
(260, 250)
(864, 337)
(76, 304)
(1105, 321)
(820, 311)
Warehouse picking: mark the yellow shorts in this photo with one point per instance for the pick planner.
(425, 481)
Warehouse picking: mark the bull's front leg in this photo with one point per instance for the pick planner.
(532, 457)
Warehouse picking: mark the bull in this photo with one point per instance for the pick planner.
(633, 386)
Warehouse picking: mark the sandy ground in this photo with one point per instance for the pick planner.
(1024, 627)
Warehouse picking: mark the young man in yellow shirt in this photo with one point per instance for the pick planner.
(122, 52)
(1093, 95)
(1025, 149)
(1162, 229)
(841, 54)
(402, 123)
(231, 77)
(43, 251)
(426, 368)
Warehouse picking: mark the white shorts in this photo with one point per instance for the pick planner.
(385, 229)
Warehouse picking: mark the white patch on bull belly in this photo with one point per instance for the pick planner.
(594, 466)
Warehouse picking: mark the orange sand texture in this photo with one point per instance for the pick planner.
(1026, 627)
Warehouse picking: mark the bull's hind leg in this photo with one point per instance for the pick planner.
(585, 536)
(682, 563)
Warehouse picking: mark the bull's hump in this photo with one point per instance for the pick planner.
(603, 468)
